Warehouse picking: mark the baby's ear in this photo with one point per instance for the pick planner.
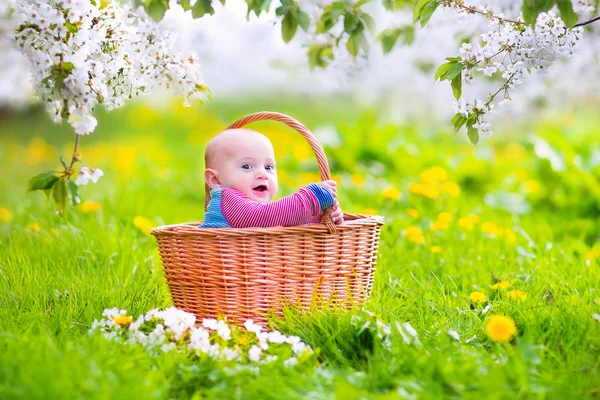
(211, 178)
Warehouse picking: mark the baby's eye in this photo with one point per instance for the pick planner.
(269, 167)
(246, 166)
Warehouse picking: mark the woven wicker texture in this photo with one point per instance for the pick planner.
(245, 273)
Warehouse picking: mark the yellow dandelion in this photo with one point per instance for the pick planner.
(309, 177)
(414, 235)
(391, 193)
(142, 224)
(425, 190)
(501, 328)
(451, 188)
(436, 249)
(531, 186)
(509, 234)
(38, 151)
(521, 175)
(501, 285)
(123, 320)
(597, 301)
(34, 226)
(445, 217)
(90, 206)
(439, 225)
(242, 341)
(478, 297)
(369, 211)
(489, 228)
(469, 222)
(592, 255)
(517, 295)
(414, 213)
(357, 178)
(5, 215)
(434, 175)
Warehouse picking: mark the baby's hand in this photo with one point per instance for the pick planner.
(330, 186)
(337, 216)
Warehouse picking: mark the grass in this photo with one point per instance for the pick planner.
(58, 276)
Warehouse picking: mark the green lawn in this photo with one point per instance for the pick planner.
(521, 211)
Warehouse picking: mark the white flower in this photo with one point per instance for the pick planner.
(210, 323)
(96, 174)
(83, 177)
(251, 326)
(83, 124)
(254, 353)
(223, 330)
(466, 48)
(290, 362)
(488, 70)
(298, 348)
(276, 337)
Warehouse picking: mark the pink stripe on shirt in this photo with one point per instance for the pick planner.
(242, 212)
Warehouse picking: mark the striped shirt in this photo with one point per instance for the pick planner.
(229, 208)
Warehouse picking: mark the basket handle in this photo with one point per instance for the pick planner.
(310, 138)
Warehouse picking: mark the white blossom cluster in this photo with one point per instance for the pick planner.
(15, 84)
(165, 330)
(510, 49)
(85, 52)
(86, 174)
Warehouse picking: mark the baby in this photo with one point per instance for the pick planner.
(240, 172)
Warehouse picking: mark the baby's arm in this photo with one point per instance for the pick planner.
(241, 212)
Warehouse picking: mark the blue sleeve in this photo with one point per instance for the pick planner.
(325, 198)
(213, 217)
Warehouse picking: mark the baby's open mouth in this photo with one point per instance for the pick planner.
(261, 188)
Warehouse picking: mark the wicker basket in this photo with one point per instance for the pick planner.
(245, 273)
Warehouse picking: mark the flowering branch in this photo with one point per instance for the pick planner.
(587, 22)
(525, 49)
(84, 53)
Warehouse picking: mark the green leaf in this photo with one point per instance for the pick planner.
(185, 4)
(42, 181)
(330, 16)
(63, 162)
(458, 121)
(472, 132)
(258, 6)
(418, 9)
(156, 9)
(566, 12)
(59, 194)
(532, 8)
(73, 191)
(389, 39)
(71, 27)
(457, 86)
(317, 53)
(350, 22)
(453, 71)
(303, 20)
(427, 12)
(442, 70)
(360, 3)
(202, 7)
(289, 25)
(368, 21)
(353, 45)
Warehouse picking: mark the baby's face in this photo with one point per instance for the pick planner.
(248, 165)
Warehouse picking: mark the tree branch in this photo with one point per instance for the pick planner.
(587, 22)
